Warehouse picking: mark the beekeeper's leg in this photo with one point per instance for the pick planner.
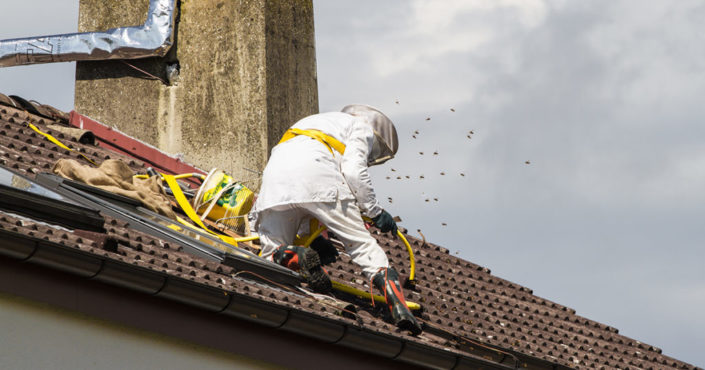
(277, 227)
(344, 220)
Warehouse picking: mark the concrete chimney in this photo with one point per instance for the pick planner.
(240, 73)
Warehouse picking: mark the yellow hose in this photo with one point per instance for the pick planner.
(412, 260)
(361, 293)
(247, 238)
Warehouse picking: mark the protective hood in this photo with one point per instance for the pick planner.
(385, 143)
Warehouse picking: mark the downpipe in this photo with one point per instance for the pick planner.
(153, 38)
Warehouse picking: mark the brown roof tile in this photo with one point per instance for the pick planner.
(466, 308)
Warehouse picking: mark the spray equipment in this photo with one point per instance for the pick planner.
(223, 200)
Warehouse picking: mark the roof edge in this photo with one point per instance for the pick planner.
(25, 248)
(113, 139)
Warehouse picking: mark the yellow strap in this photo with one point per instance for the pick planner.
(57, 142)
(186, 207)
(327, 140)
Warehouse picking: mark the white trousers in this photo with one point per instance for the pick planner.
(278, 226)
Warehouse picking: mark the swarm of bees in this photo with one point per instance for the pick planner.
(415, 135)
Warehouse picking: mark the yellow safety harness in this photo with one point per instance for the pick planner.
(330, 142)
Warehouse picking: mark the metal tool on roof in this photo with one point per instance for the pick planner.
(154, 38)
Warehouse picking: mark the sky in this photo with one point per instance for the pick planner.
(570, 148)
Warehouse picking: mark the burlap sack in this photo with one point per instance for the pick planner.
(116, 177)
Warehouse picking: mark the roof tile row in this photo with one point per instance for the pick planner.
(465, 307)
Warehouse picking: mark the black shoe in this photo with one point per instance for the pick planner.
(307, 263)
(387, 281)
(327, 252)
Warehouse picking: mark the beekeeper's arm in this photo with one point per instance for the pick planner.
(355, 170)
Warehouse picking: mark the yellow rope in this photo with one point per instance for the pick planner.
(58, 143)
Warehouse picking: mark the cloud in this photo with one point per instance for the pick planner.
(603, 99)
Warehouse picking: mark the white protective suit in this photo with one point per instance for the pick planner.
(303, 179)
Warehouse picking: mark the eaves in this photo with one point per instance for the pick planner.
(212, 301)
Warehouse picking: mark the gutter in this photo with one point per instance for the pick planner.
(91, 266)
(153, 38)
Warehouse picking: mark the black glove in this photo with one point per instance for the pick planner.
(385, 222)
(325, 249)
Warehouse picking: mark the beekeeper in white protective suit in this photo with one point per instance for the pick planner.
(320, 170)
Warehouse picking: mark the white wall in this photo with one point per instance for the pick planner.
(38, 336)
